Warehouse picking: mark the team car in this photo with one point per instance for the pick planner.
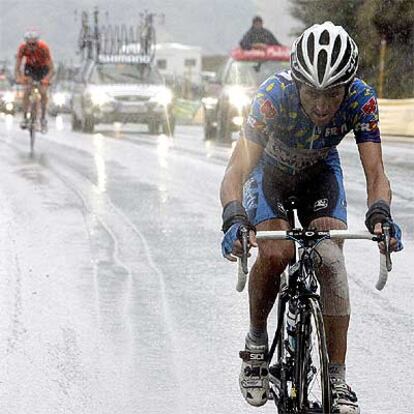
(228, 99)
(61, 91)
(117, 89)
(7, 96)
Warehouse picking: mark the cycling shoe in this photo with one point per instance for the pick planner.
(254, 375)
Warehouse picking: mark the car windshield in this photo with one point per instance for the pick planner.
(250, 73)
(125, 73)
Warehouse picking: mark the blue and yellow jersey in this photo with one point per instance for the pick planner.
(291, 140)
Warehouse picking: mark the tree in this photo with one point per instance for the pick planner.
(369, 21)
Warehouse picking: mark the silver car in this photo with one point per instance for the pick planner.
(122, 92)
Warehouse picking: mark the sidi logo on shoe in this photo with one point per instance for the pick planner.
(257, 357)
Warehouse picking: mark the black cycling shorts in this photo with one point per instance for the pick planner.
(319, 191)
(36, 73)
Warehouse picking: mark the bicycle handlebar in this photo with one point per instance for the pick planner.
(385, 259)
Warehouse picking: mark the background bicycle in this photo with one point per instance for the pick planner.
(148, 39)
(33, 112)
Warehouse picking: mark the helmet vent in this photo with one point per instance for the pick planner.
(336, 50)
(300, 53)
(347, 56)
(322, 59)
(311, 47)
(324, 39)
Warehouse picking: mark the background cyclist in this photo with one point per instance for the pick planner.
(288, 147)
(38, 65)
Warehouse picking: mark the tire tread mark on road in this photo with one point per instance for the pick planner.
(122, 222)
(218, 159)
(68, 176)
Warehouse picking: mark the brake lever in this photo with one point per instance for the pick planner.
(386, 229)
(244, 232)
(243, 270)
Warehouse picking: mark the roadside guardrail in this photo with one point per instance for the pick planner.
(396, 117)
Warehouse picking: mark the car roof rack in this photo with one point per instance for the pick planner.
(117, 43)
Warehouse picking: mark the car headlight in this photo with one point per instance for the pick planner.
(163, 97)
(238, 97)
(209, 101)
(8, 97)
(99, 98)
(59, 98)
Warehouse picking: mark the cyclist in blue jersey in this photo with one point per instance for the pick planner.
(288, 148)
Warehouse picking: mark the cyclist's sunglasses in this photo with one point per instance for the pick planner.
(32, 43)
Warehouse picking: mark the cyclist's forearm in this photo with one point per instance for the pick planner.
(244, 158)
(231, 187)
(17, 71)
(378, 188)
(50, 73)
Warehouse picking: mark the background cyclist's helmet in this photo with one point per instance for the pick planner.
(324, 56)
(31, 36)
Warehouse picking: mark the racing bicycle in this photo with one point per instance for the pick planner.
(33, 112)
(147, 33)
(298, 357)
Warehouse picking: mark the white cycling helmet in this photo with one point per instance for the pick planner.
(324, 56)
(31, 35)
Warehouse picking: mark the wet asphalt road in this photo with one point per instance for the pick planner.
(113, 294)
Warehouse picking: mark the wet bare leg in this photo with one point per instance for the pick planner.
(272, 259)
(336, 327)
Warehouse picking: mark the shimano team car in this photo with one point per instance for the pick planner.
(121, 90)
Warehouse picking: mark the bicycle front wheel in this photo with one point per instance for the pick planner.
(314, 391)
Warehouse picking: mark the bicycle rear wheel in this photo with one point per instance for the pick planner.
(314, 391)
(32, 129)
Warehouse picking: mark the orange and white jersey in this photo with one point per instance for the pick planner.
(37, 57)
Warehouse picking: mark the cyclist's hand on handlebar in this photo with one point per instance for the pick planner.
(396, 240)
(378, 214)
(231, 246)
(235, 224)
(238, 245)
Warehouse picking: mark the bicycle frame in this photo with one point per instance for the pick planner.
(301, 286)
(147, 35)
